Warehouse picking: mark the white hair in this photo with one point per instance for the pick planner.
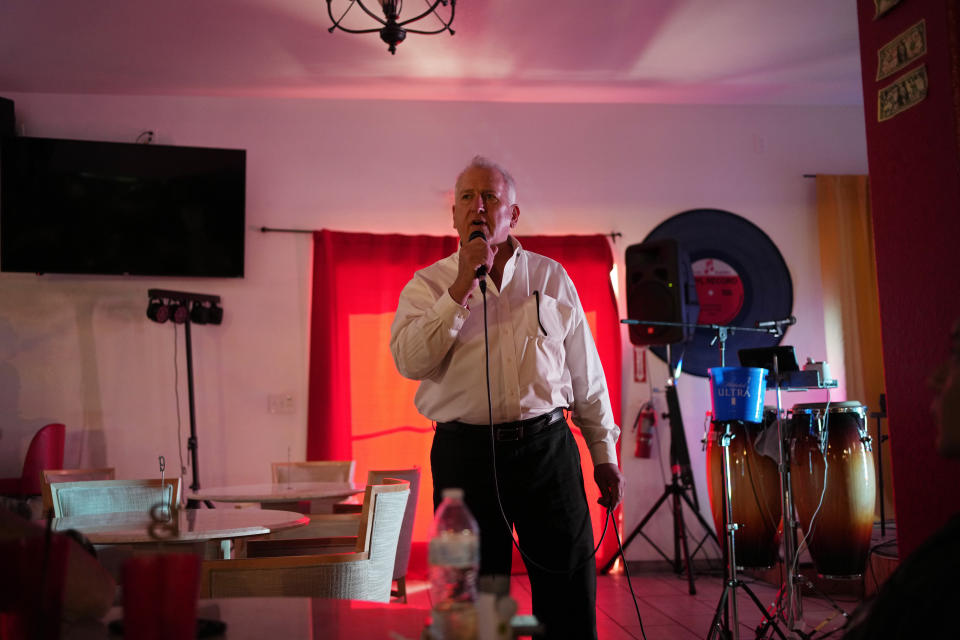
(480, 162)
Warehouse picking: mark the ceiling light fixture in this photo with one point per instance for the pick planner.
(393, 29)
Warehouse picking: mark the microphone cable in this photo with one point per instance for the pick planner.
(496, 485)
(493, 453)
(626, 572)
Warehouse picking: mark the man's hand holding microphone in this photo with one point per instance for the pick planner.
(476, 259)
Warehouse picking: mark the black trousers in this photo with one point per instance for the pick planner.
(541, 489)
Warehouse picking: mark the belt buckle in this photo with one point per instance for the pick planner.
(506, 434)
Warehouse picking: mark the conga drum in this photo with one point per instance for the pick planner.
(755, 489)
(834, 484)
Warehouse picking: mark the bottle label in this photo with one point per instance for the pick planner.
(452, 549)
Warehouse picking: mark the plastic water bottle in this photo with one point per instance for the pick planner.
(454, 561)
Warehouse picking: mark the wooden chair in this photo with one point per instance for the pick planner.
(366, 573)
(312, 471)
(322, 526)
(49, 476)
(112, 496)
(406, 531)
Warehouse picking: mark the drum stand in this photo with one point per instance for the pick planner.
(727, 606)
(774, 609)
(792, 611)
(794, 608)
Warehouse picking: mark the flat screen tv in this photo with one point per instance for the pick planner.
(70, 206)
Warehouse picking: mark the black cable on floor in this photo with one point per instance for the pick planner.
(626, 572)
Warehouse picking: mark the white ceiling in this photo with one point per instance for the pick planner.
(652, 51)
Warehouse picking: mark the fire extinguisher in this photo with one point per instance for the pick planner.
(646, 421)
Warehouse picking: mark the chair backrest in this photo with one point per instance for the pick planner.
(313, 471)
(49, 476)
(112, 496)
(45, 452)
(365, 574)
(412, 476)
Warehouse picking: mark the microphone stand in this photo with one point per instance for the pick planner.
(722, 331)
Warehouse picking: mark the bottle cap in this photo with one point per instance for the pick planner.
(453, 492)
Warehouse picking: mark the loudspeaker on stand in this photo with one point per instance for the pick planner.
(661, 288)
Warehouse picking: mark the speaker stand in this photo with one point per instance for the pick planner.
(680, 483)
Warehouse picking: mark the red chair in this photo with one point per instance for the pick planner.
(45, 452)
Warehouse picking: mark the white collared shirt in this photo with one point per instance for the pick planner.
(542, 355)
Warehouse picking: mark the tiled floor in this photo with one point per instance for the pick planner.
(669, 612)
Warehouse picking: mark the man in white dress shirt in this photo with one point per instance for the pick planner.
(542, 360)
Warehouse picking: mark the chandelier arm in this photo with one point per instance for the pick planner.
(370, 13)
(431, 9)
(336, 22)
(346, 30)
(430, 33)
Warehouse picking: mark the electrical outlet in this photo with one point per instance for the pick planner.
(280, 403)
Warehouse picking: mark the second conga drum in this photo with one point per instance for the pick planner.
(834, 435)
(755, 488)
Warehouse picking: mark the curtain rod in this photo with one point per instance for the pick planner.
(266, 229)
(613, 234)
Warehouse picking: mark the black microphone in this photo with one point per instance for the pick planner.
(768, 324)
(482, 269)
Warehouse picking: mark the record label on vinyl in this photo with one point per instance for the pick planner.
(719, 289)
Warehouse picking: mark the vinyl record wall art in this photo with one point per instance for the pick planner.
(741, 279)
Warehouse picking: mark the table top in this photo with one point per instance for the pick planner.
(192, 525)
(278, 492)
(256, 618)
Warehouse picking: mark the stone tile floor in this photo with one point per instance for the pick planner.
(670, 612)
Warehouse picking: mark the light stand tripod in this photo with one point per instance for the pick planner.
(206, 310)
(681, 481)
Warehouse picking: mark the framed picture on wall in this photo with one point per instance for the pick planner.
(905, 92)
(902, 50)
(883, 6)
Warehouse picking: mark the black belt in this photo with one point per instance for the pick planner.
(507, 431)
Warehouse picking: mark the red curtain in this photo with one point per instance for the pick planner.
(360, 408)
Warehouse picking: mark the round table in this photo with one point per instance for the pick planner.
(191, 525)
(278, 492)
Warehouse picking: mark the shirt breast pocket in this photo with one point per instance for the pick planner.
(544, 325)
